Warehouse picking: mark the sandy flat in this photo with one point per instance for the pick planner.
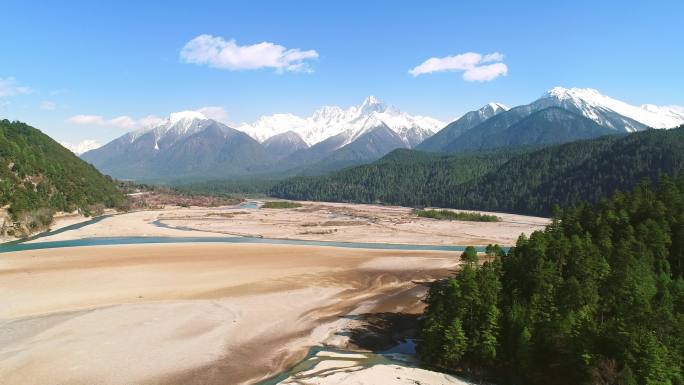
(330, 368)
(345, 372)
(313, 221)
(189, 313)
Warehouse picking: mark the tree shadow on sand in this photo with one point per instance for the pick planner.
(381, 331)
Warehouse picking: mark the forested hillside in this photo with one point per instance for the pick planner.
(528, 182)
(403, 177)
(39, 176)
(596, 298)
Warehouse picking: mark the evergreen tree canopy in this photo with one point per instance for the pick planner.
(595, 298)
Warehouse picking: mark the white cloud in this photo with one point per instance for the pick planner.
(485, 72)
(123, 122)
(214, 112)
(149, 121)
(496, 56)
(10, 87)
(48, 105)
(128, 123)
(96, 120)
(216, 52)
(83, 146)
(475, 66)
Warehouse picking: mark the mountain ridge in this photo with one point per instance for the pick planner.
(585, 102)
(329, 121)
(570, 114)
(453, 130)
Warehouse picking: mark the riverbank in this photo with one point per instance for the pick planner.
(192, 313)
(313, 221)
(60, 220)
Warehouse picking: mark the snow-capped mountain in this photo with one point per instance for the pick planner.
(604, 110)
(553, 119)
(330, 121)
(186, 144)
(178, 125)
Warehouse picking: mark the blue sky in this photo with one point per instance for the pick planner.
(123, 59)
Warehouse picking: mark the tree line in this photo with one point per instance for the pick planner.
(595, 298)
(456, 215)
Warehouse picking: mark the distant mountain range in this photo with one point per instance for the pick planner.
(330, 121)
(188, 145)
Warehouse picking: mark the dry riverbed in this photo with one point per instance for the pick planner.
(220, 313)
(313, 221)
(190, 313)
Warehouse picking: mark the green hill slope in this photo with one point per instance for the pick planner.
(403, 177)
(38, 176)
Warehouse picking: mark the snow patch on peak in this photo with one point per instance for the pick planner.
(367, 125)
(485, 112)
(563, 92)
(370, 100)
(183, 115)
(497, 106)
(371, 104)
(178, 124)
(675, 113)
(330, 121)
(591, 102)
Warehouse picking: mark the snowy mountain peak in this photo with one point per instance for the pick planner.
(178, 124)
(329, 121)
(593, 105)
(185, 115)
(372, 104)
(370, 123)
(496, 106)
(588, 94)
(370, 100)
